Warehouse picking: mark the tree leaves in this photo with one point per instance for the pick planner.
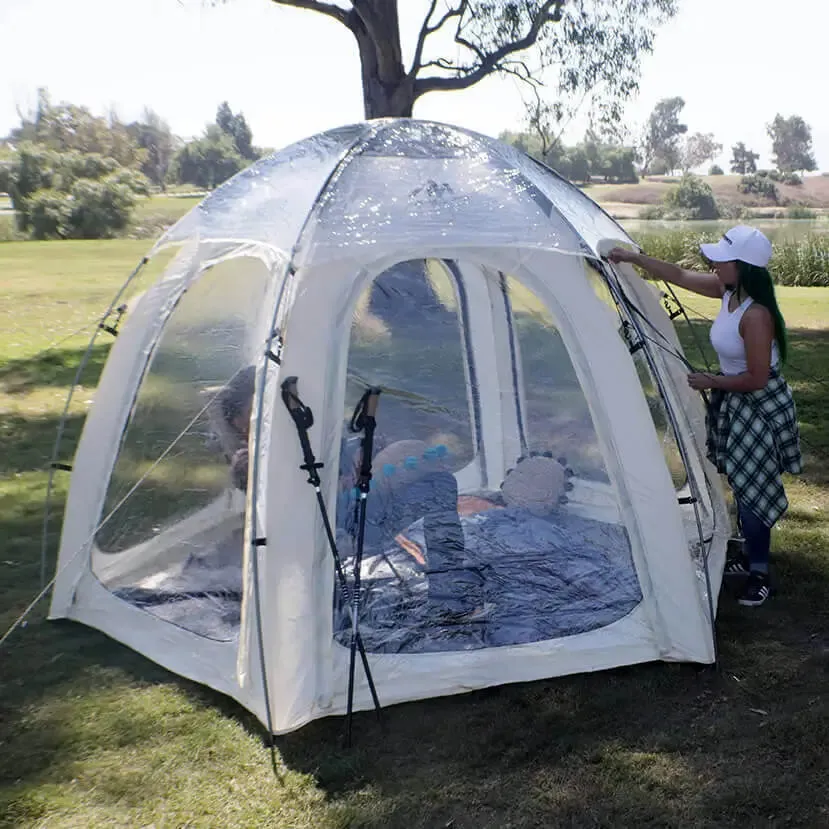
(588, 49)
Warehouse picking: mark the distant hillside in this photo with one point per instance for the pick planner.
(625, 200)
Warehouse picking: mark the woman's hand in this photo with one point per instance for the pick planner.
(621, 255)
(701, 382)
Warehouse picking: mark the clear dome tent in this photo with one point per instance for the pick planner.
(539, 502)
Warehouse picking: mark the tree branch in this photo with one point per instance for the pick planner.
(427, 30)
(521, 71)
(328, 9)
(492, 61)
(445, 63)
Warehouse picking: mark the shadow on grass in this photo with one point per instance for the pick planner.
(56, 367)
(27, 442)
(649, 745)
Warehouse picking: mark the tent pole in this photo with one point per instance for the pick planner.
(303, 418)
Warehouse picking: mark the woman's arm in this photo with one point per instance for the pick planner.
(757, 331)
(706, 284)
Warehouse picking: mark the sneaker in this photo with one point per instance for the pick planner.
(736, 567)
(736, 560)
(756, 590)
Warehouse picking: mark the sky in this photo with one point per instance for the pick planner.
(295, 73)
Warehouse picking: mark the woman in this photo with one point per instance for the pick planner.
(752, 423)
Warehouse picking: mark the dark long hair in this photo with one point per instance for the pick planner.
(758, 284)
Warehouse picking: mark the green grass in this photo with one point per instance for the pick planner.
(93, 735)
(154, 215)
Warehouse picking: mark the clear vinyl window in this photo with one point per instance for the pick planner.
(173, 544)
(656, 403)
(473, 369)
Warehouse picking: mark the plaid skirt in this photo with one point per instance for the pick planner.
(752, 439)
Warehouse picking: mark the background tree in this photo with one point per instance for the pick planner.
(661, 139)
(153, 135)
(237, 128)
(544, 121)
(792, 144)
(698, 149)
(72, 174)
(594, 45)
(693, 198)
(743, 160)
(596, 156)
(69, 128)
(207, 161)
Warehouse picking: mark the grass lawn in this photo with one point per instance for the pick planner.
(93, 735)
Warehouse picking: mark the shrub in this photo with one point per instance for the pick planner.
(137, 182)
(652, 211)
(97, 208)
(733, 211)
(74, 165)
(774, 175)
(764, 213)
(716, 170)
(799, 262)
(803, 262)
(693, 197)
(5, 175)
(792, 178)
(47, 214)
(799, 211)
(93, 209)
(760, 186)
(72, 194)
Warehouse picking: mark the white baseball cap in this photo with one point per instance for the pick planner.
(744, 243)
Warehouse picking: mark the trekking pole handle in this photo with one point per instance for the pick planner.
(372, 399)
(289, 393)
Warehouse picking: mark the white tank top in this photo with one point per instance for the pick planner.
(727, 341)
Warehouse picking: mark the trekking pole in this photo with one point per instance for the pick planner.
(303, 418)
(363, 421)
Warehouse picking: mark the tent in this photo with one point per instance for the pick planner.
(539, 502)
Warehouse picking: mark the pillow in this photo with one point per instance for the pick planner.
(537, 483)
(405, 461)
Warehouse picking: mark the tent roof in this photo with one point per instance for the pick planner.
(397, 182)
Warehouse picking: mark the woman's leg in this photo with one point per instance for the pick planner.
(757, 541)
(758, 545)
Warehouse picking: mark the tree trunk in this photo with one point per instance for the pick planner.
(387, 89)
